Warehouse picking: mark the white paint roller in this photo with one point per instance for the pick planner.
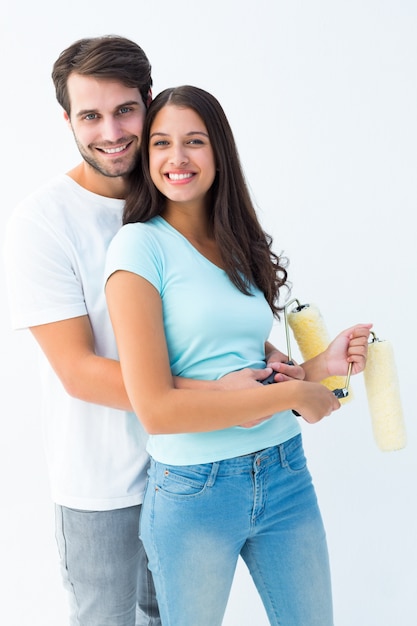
(383, 392)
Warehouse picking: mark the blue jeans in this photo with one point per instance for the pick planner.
(104, 568)
(197, 519)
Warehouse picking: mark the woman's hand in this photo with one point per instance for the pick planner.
(314, 401)
(350, 346)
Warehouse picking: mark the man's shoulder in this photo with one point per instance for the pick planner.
(62, 198)
(49, 192)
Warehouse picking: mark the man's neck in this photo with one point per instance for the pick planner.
(95, 182)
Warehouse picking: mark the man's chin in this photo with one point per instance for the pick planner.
(113, 172)
(110, 169)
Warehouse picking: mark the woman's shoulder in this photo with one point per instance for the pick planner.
(135, 247)
(138, 235)
(150, 226)
(135, 230)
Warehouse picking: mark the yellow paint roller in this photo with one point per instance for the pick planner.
(310, 333)
(383, 392)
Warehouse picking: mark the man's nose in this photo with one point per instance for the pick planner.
(111, 129)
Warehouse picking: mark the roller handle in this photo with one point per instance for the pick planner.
(341, 393)
(344, 391)
(269, 380)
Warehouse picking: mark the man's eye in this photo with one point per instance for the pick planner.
(91, 116)
(125, 110)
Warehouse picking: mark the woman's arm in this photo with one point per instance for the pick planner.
(69, 347)
(136, 312)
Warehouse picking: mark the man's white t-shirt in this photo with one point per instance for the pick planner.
(55, 250)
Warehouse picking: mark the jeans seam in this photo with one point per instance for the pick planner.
(64, 562)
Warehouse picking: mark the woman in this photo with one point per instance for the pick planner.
(192, 289)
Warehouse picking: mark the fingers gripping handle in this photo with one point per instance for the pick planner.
(271, 379)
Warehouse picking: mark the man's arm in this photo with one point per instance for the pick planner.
(69, 348)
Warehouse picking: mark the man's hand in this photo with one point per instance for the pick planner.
(279, 363)
(243, 379)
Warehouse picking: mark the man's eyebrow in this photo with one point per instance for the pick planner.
(116, 108)
(192, 132)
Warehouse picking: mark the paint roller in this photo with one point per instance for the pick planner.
(310, 333)
(380, 375)
(383, 392)
(311, 336)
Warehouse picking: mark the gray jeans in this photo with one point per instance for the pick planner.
(105, 569)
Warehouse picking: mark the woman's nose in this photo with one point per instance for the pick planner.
(178, 156)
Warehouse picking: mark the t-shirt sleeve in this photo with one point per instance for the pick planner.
(41, 282)
(135, 248)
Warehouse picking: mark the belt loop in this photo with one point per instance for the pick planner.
(281, 453)
(213, 474)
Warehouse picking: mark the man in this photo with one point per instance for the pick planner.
(55, 250)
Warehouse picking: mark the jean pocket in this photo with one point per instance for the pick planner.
(292, 455)
(183, 481)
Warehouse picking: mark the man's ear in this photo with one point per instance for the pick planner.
(149, 98)
(67, 119)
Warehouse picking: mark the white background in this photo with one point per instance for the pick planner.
(322, 97)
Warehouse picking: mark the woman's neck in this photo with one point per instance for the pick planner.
(190, 221)
(194, 226)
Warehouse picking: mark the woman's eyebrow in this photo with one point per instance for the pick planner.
(192, 132)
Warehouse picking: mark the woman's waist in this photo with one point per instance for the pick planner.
(206, 447)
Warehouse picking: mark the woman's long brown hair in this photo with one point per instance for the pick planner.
(244, 246)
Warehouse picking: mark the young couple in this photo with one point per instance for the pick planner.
(192, 288)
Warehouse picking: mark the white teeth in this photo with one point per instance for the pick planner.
(113, 150)
(179, 176)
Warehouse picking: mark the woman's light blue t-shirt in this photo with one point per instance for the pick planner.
(211, 329)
